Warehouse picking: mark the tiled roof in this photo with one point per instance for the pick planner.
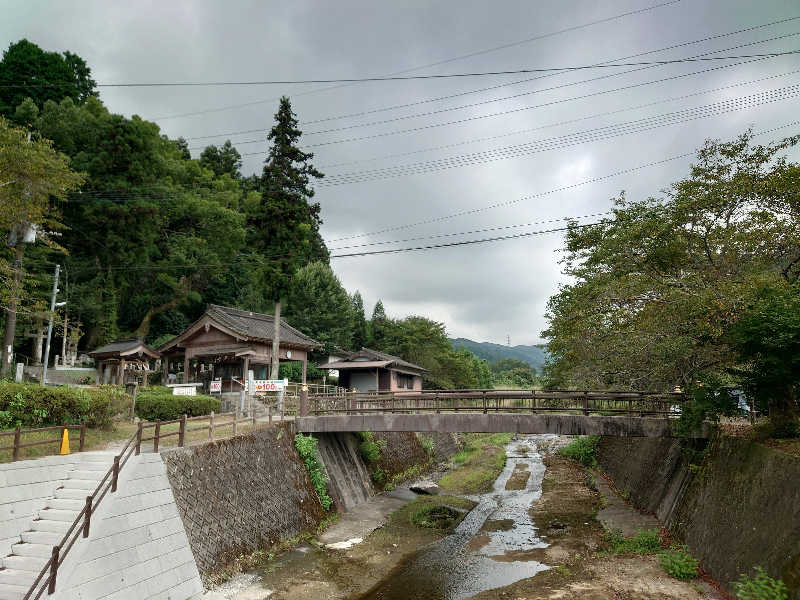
(256, 326)
(122, 346)
(356, 364)
(395, 361)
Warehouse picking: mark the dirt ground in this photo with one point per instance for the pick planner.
(566, 515)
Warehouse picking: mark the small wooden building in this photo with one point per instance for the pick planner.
(225, 343)
(122, 361)
(369, 370)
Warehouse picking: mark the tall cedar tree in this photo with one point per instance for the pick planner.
(359, 322)
(286, 225)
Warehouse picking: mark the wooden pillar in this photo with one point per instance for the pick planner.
(377, 380)
(305, 367)
(121, 372)
(99, 375)
(165, 370)
(106, 372)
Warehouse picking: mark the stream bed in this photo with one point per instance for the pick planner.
(482, 553)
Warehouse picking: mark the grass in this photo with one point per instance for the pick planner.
(583, 450)
(646, 541)
(481, 461)
(434, 512)
(98, 439)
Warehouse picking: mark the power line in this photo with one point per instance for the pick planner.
(565, 188)
(577, 119)
(441, 62)
(560, 142)
(512, 236)
(506, 84)
(484, 230)
(510, 111)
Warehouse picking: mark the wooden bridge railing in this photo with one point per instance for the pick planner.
(509, 401)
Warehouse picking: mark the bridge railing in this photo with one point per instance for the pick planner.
(647, 404)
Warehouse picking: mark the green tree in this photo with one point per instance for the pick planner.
(225, 159)
(31, 172)
(766, 339)
(359, 338)
(319, 306)
(378, 327)
(657, 286)
(27, 71)
(285, 226)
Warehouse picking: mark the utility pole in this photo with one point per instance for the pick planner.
(50, 327)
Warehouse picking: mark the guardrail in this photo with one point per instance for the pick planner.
(48, 576)
(18, 433)
(515, 401)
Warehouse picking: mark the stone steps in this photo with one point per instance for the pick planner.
(28, 557)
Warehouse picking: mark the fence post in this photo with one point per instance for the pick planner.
(156, 435)
(82, 438)
(182, 431)
(304, 402)
(87, 516)
(235, 419)
(115, 474)
(16, 443)
(484, 402)
(586, 403)
(51, 586)
(139, 439)
(438, 407)
(269, 413)
(211, 427)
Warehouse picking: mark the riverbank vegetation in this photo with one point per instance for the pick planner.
(695, 287)
(478, 464)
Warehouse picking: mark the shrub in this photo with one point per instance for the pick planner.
(679, 563)
(371, 448)
(583, 450)
(157, 405)
(307, 449)
(29, 406)
(760, 587)
(428, 445)
(647, 541)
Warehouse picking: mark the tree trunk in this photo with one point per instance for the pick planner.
(38, 340)
(276, 342)
(144, 327)
(13, 305)
(784, 414)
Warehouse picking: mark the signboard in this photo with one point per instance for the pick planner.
(184, 390)
(216, 386)
(261, 386)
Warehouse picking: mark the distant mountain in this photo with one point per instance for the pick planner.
(535, 356)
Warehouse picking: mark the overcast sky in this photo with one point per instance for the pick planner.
(483, 291)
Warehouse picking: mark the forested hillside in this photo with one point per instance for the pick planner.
(147, 236)
(535, 356)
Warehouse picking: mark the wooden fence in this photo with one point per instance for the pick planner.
(18, 434)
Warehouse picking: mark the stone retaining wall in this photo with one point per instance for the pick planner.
(242, 494)
(740, 509)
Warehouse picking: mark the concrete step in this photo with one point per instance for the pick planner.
(50, 538)
(96, 466)
(87, 457)
(81, 484)
(37, 550)
(73, 493)
(66, 504)
(25, 563)
(12, 592)
(52, 514)
(86, 475)
(53, 526)
(17, 577)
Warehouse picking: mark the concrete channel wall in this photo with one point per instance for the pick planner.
(739, 509)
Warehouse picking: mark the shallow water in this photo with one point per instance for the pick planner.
(452, 568)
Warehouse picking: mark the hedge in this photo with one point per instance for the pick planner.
(159, 405)
(30, 406)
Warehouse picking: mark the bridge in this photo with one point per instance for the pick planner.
(564, 412)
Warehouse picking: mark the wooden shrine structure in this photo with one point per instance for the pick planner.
(122, 361)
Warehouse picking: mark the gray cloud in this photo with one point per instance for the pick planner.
(484, 291)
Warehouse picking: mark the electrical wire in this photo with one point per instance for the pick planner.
(560, 142)
(439, 62)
